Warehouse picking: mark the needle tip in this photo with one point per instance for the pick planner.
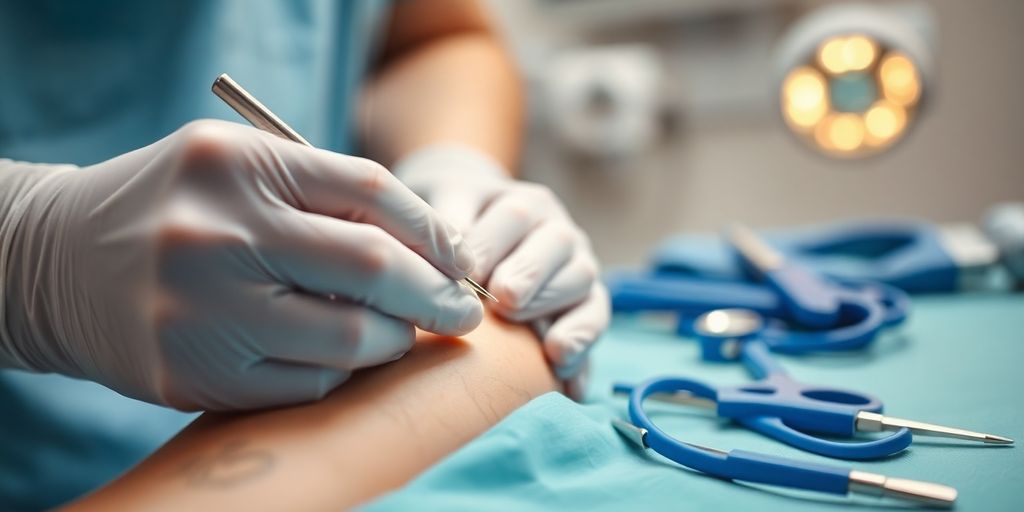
(480, 290)
(994, 439)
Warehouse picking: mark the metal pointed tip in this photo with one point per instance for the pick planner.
(994, 439)
(630, 431)
(874, 422)
(480, 290)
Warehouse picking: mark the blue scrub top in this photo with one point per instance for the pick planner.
(81, 82)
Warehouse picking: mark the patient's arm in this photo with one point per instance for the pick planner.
(370, 435)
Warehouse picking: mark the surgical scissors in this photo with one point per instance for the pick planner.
(915, 256)
(778, 406)
(768, 469)
(834, 314)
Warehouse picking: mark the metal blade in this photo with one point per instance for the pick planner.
(874, 422)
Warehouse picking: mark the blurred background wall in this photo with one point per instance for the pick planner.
(720, 152)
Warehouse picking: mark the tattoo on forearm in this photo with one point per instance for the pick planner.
(235, 463)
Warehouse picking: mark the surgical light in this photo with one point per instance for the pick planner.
(852, 77)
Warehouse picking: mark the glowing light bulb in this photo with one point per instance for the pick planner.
(858, 52)
(846, 132)
(883, 122)
(831, 55)
(805, 100)
(821, 133)
(900, 82)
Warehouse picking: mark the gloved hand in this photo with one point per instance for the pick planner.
(221, 268)
(528, 250)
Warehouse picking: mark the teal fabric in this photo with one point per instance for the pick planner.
(81, 82)
(86, 81)
(957, 362)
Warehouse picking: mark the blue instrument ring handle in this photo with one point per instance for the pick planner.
(857, 450)
(894, 301)
(734, 464)
(870, 319)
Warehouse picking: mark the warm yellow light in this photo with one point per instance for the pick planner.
(831, 55)
(900, 82)
(805, 118)
(846, 132)
(858, 53)
(805, 100)
(821, 133)
(884, 121)
(866, 122)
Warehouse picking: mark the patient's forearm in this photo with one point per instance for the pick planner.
(372, 434)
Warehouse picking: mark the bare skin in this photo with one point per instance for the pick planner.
(444, 77)
(369, 436)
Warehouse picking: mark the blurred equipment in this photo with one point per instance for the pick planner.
(810, 313)
(852, 78)
(741, 322)
(604, 101)
(915, 256)
(790, 411)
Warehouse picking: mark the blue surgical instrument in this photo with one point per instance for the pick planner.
(767, 469)
(915, 256)
(837, 314)
(865, 308)
(805, 297)
(789, 411)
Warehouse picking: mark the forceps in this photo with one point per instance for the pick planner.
(780, 407)
(261, 117)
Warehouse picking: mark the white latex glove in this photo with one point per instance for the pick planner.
(195, 272)
(529, 252)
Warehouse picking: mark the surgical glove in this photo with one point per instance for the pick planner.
(528, 250)
(221, 268)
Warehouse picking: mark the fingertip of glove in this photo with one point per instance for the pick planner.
(472, 316)
(575, 387)
(565, 353)
(465, 259)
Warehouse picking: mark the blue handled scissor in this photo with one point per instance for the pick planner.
(768, 469)
(835, 314)
(789, 411)
(865, 308)
(915, 256)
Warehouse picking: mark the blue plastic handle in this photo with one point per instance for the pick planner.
(863, 311)
(802, 407)
(806, 403)
(810, 300)
(735, 464)
(769, 469)
(634, 291)
(860, 320)
(906, 254)
(853, 450)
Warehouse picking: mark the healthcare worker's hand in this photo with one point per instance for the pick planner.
(196, 272)
(529, 252)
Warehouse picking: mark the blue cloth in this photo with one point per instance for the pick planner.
(86, 81)
(957, 362)
(81, 82)
(61, 437)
